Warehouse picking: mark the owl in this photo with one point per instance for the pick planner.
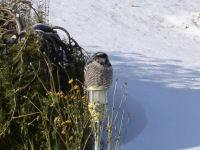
(98, 71)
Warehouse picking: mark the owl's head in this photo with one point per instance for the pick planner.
(101, 58)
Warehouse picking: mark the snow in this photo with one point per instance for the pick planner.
(155, 48)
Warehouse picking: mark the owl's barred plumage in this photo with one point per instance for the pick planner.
(98, 71)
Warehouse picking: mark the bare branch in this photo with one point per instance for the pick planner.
(7, 23)
(25, 2)
(16, 20)
(6, 32)
(63, 29)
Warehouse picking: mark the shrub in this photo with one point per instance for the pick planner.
(39, 109)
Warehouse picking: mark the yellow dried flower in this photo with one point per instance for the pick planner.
(68, 121)
(78, 91)
(63, 132)
(69, 105)
(70, 81)
(51, 93)
(63, 123)
(48, 93)
(57, 120)
(93, 102)
(60, 94)
(76, 87)
(72, 97)
(84, 97)
(91, 108)
(98, 116)
(90, 126)
(71, 138)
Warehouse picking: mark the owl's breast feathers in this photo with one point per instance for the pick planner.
(97, 75)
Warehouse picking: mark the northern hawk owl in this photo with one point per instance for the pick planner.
(98, 71)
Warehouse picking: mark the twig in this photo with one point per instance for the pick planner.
(85, 143)
(15, 104)
(33, 104)
(113, 106)
(38, 77)
(6, 32)
(119, 133)
(26, 115)
(7, 23)
(63, 29)
(18, 25)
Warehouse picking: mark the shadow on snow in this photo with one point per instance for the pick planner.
(163, 99)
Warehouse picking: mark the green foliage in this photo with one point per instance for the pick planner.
(39, 109)
(33, 107)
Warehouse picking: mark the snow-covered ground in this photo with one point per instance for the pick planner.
(155, 47)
